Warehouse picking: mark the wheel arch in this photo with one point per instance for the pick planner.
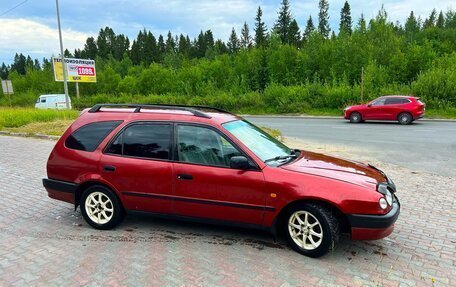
(404, 112)
(341, 217)
(85, 185)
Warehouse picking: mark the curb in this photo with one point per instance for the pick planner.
(332, 118)
(29, 135)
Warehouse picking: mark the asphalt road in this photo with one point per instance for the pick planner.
(424, 145)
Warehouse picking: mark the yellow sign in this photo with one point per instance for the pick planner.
(78, 70)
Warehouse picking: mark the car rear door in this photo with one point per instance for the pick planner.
(204, 184)
(393, 106)
(138, 164)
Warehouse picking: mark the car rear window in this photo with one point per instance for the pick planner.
(89, 137)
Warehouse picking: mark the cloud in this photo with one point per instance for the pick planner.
(34, 38)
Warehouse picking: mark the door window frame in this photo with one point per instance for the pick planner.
(173, 156)
(120, 133)
(220, 133)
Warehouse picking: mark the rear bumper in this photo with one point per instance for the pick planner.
(60, 190)
(372, 227)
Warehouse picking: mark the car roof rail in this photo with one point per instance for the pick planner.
(199, 107)
(138, 107)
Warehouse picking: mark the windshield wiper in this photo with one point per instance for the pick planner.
(281, 157)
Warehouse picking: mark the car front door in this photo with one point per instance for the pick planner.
(204, 184)
(375, 110)
(138, 164)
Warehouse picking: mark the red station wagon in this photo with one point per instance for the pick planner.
(404, 109)
(202, 163)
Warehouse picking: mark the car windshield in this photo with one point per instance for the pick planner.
(259, 142)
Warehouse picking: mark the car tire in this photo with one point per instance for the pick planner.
(405, 118)
(101, 208)
(311, 229)
(355, 117)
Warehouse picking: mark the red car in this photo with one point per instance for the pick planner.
(206, 164)
(404, 109)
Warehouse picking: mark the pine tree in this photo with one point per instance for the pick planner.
(323, 18)
(161, 47)
(201, 45)
(209, 39)
(310, 28)
(430, 22)
(170, 44)
(90, 50)
(149, 49)
(411, 27)
(233, 42)
(345, 27)
(220, 47)
(246, 40)
(361, 27)
(282, 26)
(184, 46)
(440, 21)
(4, 71)
(294, 35)
(260, 29)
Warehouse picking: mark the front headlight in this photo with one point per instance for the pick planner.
(383, 189)
(389, 198)
(382, 203)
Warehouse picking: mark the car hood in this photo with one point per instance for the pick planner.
(357, 106)
(336, 168)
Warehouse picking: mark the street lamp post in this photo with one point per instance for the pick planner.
(62, 56)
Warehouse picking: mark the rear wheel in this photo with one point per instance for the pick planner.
(100, 207)
(355, 117)
(404, 118)
(311, 229)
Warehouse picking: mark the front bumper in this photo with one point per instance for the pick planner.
(60, 190)
(372, 227)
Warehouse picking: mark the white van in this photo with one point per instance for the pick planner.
(55, 102)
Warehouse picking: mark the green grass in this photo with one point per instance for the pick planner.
(18, 117)
(447, 113)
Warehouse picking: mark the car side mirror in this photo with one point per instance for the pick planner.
(240, 162)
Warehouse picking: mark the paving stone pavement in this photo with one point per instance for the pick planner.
(44, 242)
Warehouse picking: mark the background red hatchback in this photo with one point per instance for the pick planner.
(404, 109)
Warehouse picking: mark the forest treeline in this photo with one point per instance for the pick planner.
(282, 68)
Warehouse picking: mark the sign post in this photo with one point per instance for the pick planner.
(65, 84)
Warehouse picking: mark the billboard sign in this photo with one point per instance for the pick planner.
(7, 87)
(78, 70)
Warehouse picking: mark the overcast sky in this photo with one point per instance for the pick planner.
(32, 27)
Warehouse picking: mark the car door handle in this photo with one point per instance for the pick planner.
(184, 176)
(109, 168)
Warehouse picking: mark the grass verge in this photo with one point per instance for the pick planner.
(54, 128)
(19, 117)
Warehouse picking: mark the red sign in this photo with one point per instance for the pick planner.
(86, 71)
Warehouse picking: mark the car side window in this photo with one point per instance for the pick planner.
(204, 146)
(395, 101)
(43, 100)
(89, 137)
(379, 102)
(151, 141)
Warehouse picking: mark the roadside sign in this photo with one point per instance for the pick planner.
(78, 70)
(7, 87)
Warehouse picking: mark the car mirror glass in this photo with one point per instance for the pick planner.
(240, 162)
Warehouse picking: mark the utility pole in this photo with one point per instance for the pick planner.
(362, 84)
(62, 56)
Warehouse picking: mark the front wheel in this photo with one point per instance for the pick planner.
(355, 117)
(101, 208)
(311, 230)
